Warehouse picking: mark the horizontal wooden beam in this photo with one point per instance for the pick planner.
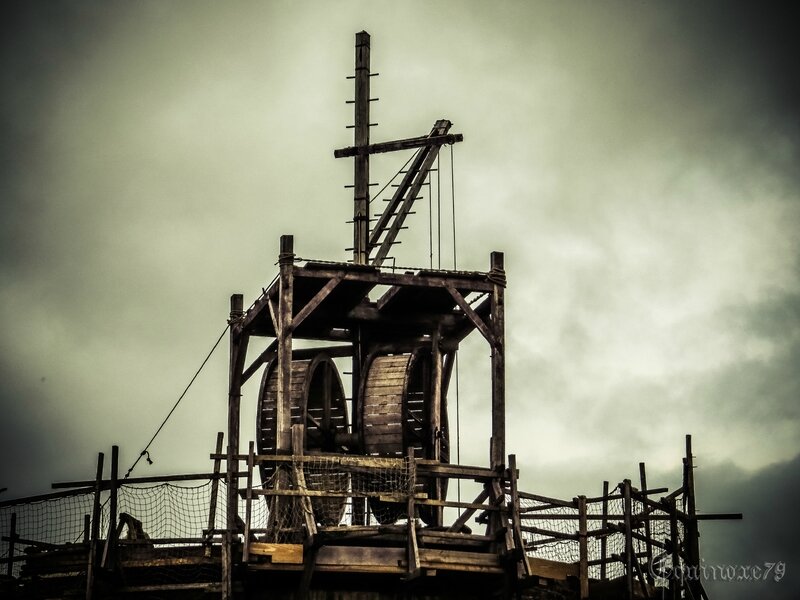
(105, 483)
(405, 144)
(50, 496)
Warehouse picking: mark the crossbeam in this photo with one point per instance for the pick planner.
(394, 146)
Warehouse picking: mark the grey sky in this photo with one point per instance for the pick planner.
(637, 162)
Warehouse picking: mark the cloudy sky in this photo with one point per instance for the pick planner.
(637, 163)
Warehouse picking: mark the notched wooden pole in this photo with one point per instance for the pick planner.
(497, 275)
(361, 139)
(284, 407)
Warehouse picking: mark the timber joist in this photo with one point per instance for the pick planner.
(331, 299)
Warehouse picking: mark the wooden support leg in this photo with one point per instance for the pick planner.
(212, 503)
(94, 538)
(414, 568)
(583, 549)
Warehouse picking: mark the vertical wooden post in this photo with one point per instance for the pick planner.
(583, 548)
(95, 535)
(87, 525)
(648, 542)
(212, 502)
(361, 139)
(675, 575)
(692, 532)
(109, 552)
(627, 509)
(604, 537)
(284, 406)
(359, 511)
(226, 551)
(436, 418)
(12, 538)
(238, 351)
(304, 502)
(523, 566)
(498, 363)
(248, 507)
(413, 549)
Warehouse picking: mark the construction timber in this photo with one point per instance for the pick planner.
(343, 493)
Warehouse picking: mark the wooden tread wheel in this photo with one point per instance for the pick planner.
(395, 418)
(318, 403)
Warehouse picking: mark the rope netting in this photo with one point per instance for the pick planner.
(551, 531)
(53, 522)
(385, 481)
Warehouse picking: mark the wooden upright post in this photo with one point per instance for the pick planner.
(436, 417)
(692, 533)
(498, 444)
(583, 548)
(238, 351)
(284, 407)
(604, 538)
(212, 503)
(95, 535)
(627, 510)
(361, 135)
(109, 553)
(12, 538)
(647, 530)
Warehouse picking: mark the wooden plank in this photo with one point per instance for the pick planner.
(551, 569)
(278, 553)
(469, 282)
(456, 560)
(359, 559)
(168, 562)
(455, 471)
(169, 587)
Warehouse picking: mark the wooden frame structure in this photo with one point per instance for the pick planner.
(401, 332)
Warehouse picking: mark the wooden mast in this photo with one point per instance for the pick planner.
(361, 139)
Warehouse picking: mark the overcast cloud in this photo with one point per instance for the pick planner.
(636, 162)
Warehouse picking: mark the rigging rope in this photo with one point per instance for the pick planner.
(455, 268)
(145, 452)
(439, 210)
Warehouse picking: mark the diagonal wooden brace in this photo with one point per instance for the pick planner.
(472, 315)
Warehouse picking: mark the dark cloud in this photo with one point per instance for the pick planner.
(767, 534)
(636, 162)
